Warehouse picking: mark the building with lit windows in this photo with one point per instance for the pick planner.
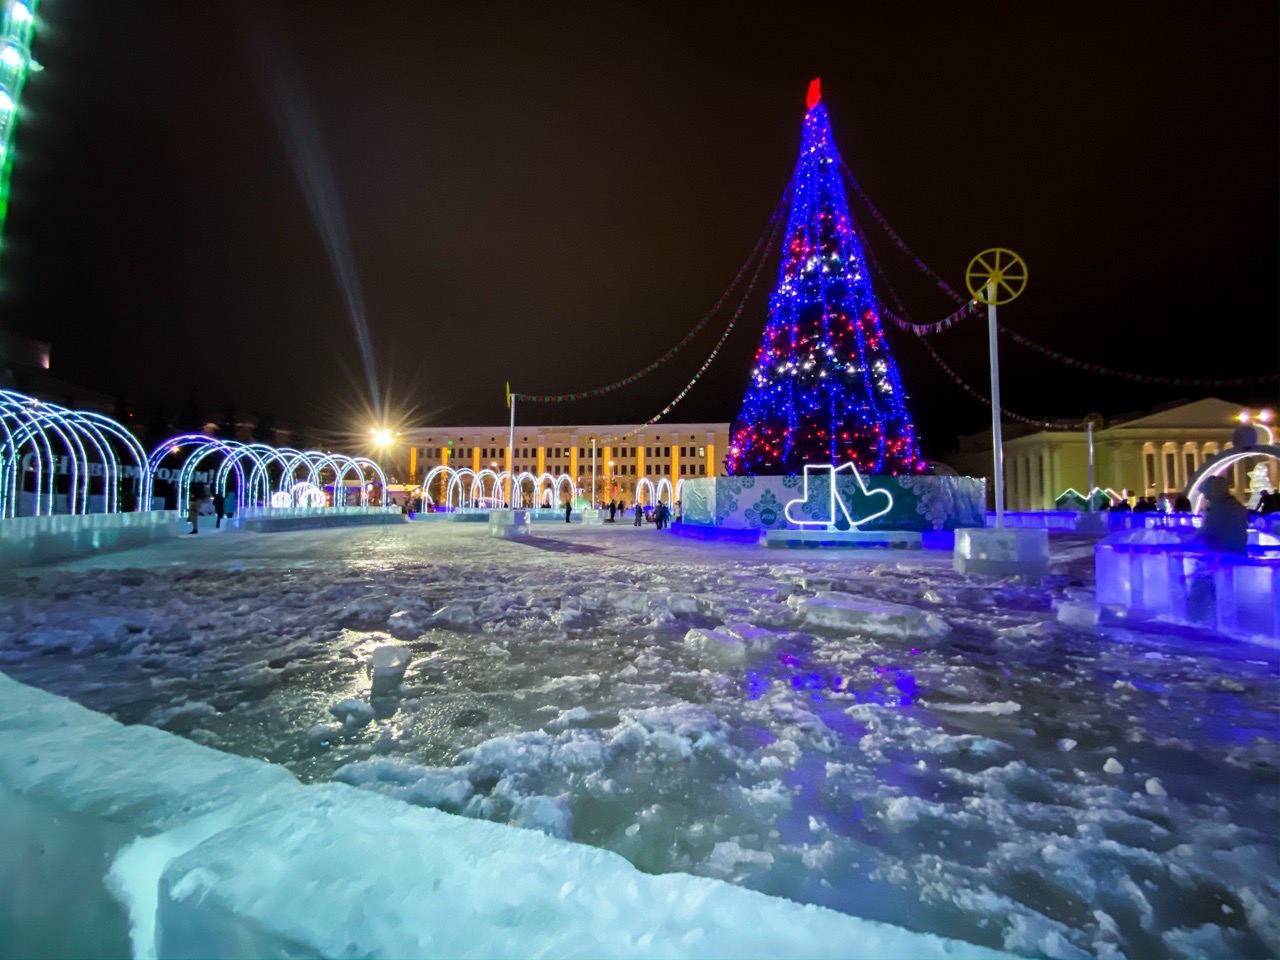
(1135, 456)
(617, 462)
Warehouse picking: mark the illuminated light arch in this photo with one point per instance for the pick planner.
(432, 474)
(562, 481)
(644, 483)
(131, 443)
(35, 421)
(341, 464)
(549, 481)
(231, 463)
(679, 487)
(257, 486)
(459, 480)
(1218, 464)
(70, 426)
(664, 482)
(518, 487)
(204, 446)
(477, 487)
(26, 421)
(360, 463)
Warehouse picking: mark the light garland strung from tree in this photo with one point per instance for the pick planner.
(765, 241)
(1004, 411)
(925, 329)
(737, 314)
(970, 307)
(1135, 377)
(898, 241)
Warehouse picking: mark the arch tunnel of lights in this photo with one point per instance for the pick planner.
(58, 460)
(252, 465)
(462, 488)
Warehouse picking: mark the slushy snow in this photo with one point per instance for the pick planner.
(869, 732)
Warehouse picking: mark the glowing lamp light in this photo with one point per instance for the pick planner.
(11, 56)
(1264, 416)
(20, 13)
(382, 437)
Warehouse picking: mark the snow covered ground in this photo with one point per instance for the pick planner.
(866, 731)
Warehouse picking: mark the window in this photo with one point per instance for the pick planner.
(648, 452)
(684, 452)
(1170, 465)
(1149, 461)
(702, 469)
(666, 451)
(1190, 460)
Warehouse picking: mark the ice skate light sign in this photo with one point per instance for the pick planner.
(840, 510)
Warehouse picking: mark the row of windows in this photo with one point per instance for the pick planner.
(620, 469)
(584, 453)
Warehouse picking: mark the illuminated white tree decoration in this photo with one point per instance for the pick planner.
(836, 500)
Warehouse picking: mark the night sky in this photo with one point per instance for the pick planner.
(553, 195)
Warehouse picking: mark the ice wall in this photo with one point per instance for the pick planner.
(122, 835)
(32, 540)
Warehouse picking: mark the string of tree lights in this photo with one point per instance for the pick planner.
(715, 351)
(759, 253)
(968, 307)
(824, 387)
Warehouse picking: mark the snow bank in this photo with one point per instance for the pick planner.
(126, 833)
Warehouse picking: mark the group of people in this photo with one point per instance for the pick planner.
(660, 513)
(1160, 504)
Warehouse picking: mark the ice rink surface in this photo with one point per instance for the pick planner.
(864, 730)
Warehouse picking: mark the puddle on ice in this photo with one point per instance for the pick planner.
(880, 737)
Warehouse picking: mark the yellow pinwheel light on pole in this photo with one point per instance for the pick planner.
(996, 276)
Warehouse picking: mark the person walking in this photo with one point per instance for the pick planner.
(195, 497)
(639, 514)
(613, 511)
(568, 510)
(219, 501)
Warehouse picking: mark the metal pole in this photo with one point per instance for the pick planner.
(511, 456)
(997, 442)
(593, 473)
(1089, 496)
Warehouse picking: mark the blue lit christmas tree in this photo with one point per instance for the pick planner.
(824, 388)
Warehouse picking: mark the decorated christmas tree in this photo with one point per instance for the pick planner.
(824, 388)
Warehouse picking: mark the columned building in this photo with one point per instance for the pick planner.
(668, 451)
(1141, 456)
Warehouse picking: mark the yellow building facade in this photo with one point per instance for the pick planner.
(1141, 456)
(616, 461)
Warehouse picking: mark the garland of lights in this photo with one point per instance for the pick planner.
(1004, 411)
(737, 313)
(774, 219)
(898, 241)
(970, 307)
(1135, 377)
(922, 330)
